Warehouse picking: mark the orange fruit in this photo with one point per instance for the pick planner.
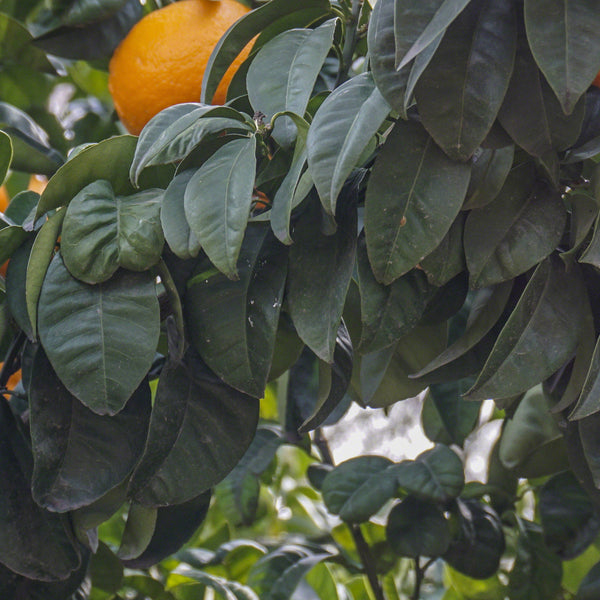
(596, 81)
(13, 379)
(162, 59)
(260, 201)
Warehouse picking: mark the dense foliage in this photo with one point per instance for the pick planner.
(399, 196)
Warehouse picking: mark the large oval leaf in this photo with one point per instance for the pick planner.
(100, 339)
(405, 218)
(67, 438)
(233, 324)
(461, 90)
(540, 335)
(563, 36)
(282, 75)
(217, 202)
(102, 232)
(340, 131)
(199, 430)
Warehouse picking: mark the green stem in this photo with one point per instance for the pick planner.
(349, 43)
(420, 576)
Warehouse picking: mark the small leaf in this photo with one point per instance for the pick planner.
(229, 590)
(341, 129)
(217, 202)
(139, 529)
(106, 322)
(404, 220)
(417, 528)
(6, 152)
(102, 232)
(283, 73)
(518, 359)
(199, 430)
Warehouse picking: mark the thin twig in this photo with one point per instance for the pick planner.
(349, 43)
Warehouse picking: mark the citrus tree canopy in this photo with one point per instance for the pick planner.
(329, 202)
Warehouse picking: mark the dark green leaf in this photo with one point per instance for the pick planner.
(388, 311)
(588, 429)
(563, 40)
(15, 286)
(175, 525)
(100, 339)
(537, 571)
(519, 358)
(488, 174)
(418, 25)
(5, 154)
(16, 47)
(108, 159)
(88, 11)
(106, 570)
(417, 528)
(511, 234)
(33, 542)
(67, 439)
(102, 232)
(318, 262)
(590, 586)
(568, 517)
(139, 529)
(217, 202)
(229, 590)
(282, 75)
(479, 545)
(199, 430)
(436, 475)
(461, 90)
(233, 324)
(341, 130)
(404, 220)
(587, 403)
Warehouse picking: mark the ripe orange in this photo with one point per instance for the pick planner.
(596, 81)
(162, 59)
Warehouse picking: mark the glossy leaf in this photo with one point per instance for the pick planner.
(511, 234)
(341, 129)
(404, 220)
(102, 232)
(242, 32)
(417, 528)
(229, 590)
(217, 202)
(317, 262)
(587, 403)
(5, 154)
(461, 90)
(138, 532)
(15, 286)
(518, 361)
(199, 430)
(562, 37)
(233, 324)
(173, 133)
(89, 329)
(67, 437)
(283, 73)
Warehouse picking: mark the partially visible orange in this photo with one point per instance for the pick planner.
(596, 81)
(13, 380)
(37, 183)
(260, 201)
(162, 59)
